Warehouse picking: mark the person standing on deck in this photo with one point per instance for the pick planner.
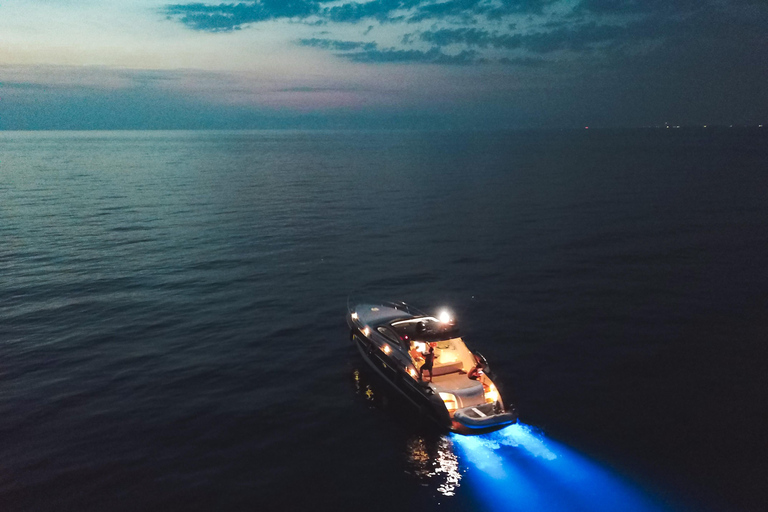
(429, 359)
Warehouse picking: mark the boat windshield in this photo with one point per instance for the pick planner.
(425, 328)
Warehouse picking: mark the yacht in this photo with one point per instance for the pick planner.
(398, 341)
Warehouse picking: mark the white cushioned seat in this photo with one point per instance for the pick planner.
(444, 369)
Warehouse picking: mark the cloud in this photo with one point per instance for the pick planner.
(450, 8)
(381, 10)
(464, 32)
(624, 7)
(225, 17)
(369, 52)
(578, 38)
(470, 37)
(519, 7)
(469, 10)
(332, 44)
(432, 56)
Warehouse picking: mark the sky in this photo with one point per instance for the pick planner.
(160, 64)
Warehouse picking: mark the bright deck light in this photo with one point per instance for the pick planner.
(354, 315)
(366, 330)
(491, 394)
(449, 400)
(445, 316)
(386, 349)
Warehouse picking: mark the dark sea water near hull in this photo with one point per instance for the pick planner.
(172, 306)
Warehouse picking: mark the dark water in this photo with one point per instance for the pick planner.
(172, 317)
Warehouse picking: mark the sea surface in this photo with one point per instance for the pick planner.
(172, 305)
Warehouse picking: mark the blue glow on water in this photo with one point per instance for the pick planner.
(519, 469)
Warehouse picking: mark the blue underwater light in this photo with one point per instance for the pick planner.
(518, 469)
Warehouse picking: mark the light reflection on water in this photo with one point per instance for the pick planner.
(431, 459)
(439, 468)
(519, 469)
(516, 469)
